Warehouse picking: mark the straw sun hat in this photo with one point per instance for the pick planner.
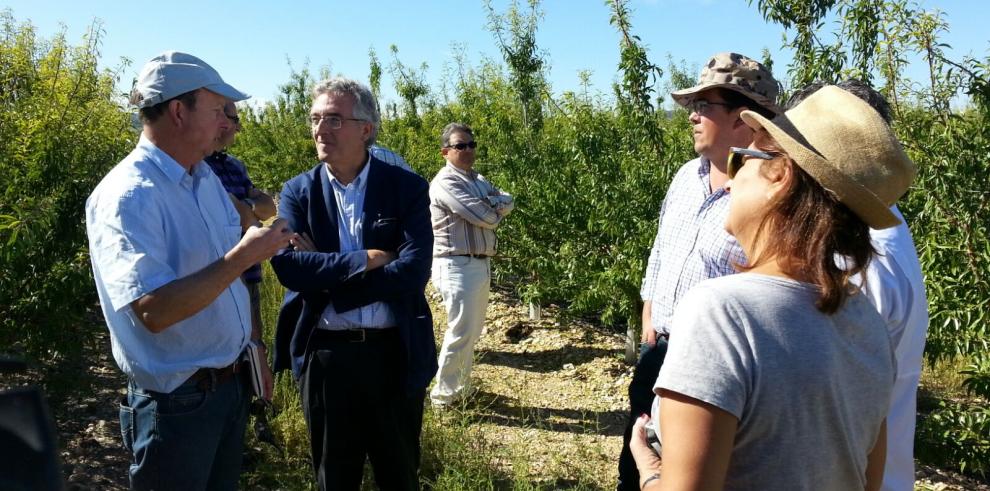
(848, 148)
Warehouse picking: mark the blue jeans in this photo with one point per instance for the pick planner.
(189, 439)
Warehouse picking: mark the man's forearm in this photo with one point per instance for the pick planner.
(184, 297)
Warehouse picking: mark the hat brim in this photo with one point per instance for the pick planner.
(224, 89)
(863, 202)
(227, 91)
(684, 97)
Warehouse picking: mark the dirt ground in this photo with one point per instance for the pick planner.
(541, 385)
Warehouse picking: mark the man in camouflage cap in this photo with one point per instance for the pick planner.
(735, 72)
(691, 244)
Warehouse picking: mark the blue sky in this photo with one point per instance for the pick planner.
(249, 42)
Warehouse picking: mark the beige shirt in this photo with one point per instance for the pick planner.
(465, 209)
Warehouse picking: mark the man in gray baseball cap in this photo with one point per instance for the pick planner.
(167, 253)
(691, 244)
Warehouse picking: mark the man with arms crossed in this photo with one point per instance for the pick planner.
(355, 326)
(896, 286)
(465, 209)
(167, 254)
(691, 243)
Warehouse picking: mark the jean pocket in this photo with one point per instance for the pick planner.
(182, 403)
(127, 425)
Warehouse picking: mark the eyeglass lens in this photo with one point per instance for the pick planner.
(333, 122)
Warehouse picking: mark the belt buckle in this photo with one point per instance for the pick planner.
(364, 335)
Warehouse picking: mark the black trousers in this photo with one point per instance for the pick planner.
(640, 402)
(356, 407)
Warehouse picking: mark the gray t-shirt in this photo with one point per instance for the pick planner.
(810, 390)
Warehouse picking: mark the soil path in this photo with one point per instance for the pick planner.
(550, 393)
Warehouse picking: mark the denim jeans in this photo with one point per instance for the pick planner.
(189, 439)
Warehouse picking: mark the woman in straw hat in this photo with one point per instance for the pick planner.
(780, 377)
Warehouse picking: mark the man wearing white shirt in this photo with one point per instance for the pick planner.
(465, 209)
(895, 284)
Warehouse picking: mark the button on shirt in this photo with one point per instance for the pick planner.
(149, 223)
(350, 227)
(691, 243)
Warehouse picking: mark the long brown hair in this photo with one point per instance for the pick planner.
(813, 236)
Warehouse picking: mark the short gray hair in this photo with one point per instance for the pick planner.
(452, 128)
(365, 105)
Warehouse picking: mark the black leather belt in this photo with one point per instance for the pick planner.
(353, 335)
(476, 256)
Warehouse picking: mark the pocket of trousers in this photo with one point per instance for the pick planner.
(183, 403)
(127, 425)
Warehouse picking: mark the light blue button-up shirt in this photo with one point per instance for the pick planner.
(149, 223)
(350, 220)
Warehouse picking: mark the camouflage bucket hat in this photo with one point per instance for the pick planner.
(733, 71)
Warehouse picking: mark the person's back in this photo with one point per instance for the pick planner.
(809, 389)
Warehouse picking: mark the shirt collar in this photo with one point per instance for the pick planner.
(360, 182)
(704, 167)
(472, 174)
(705, 176)
(169, 166)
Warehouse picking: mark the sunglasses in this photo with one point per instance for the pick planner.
(461, 146)
(737, 157)
(701, 106)
(235, 119)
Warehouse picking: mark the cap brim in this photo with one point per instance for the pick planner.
(859, 199)
(227, 91)
(684, 97)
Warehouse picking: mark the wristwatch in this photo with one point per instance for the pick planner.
(249, 201)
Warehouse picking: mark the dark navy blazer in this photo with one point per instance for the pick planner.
(396, 218)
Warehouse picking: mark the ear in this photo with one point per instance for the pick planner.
(177, 112)
(443, 151)
(780, 177)
(738, 123)
(366, 131)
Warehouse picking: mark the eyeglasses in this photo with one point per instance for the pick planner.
(333, 121)
(737, 157)
(235, 118)
(700, 106)
(461, 146)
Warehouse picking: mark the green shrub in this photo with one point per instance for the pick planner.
(61, 129)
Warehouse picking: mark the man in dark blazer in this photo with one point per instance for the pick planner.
(355, 327)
